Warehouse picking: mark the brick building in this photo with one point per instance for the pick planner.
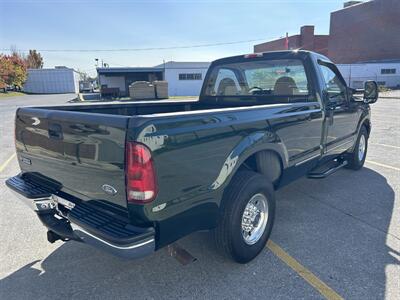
(359, 32)
(306, 40)
(366, 31)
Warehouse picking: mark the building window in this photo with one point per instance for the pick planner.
(388, 71)
(190, 76)
(381, 83)
(357, 84)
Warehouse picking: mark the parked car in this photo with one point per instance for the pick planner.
(85, 87)
(131, 178)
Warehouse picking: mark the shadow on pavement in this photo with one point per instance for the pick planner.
(319, 222)
(338, 228)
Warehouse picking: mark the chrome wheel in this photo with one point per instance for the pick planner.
(254, 219)
(361, 148)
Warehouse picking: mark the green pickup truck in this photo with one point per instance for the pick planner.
(133, 177)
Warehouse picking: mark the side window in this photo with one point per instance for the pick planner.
(334, 86)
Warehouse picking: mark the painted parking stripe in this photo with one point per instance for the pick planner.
(303, 272)
(4, 165)
(385, 145)
(382, 165)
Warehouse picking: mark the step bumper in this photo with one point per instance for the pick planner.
(83, 223)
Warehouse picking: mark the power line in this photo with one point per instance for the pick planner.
(141, 49)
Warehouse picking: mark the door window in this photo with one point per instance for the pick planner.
(335, 87)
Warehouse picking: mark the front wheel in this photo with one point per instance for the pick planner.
(357, 157)
(247, 218)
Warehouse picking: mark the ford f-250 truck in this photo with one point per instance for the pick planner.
(131, 178)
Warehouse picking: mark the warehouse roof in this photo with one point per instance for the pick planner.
(184, 65)
(51, 69)
(128, 70)
(158, 68)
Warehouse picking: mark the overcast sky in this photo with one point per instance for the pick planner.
(90, 24)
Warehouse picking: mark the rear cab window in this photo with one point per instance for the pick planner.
(276, 81)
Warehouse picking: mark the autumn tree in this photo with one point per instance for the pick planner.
(6, 68)
(20, 73)
(34, 60)
(12, 70)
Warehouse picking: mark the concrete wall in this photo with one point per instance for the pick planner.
(52, 81)
(356, 74)
(365, 32)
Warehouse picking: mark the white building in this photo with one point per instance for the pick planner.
(52, 81)
(384, 73)
(184, 78)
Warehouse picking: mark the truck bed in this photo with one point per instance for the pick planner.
(135, 108)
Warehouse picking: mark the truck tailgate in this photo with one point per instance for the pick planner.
(84, 152)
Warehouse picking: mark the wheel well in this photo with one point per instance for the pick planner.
(367, 125)
(266, 162)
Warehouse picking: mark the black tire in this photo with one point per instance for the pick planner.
(353, 158)
(228, 235)
(268, 164)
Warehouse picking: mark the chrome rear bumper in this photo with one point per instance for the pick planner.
(39, 205)
(134, 250)
(134, 244)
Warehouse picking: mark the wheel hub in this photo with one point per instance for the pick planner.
(254, 219)
(361, 148)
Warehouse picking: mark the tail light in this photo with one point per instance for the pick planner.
(140, 175)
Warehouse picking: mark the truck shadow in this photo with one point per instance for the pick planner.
(336, 227)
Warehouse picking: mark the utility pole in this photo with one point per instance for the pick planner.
(164, 70)
(350, 85)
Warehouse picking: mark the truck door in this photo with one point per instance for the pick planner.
(341, 113)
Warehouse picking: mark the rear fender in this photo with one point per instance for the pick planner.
(257, 141)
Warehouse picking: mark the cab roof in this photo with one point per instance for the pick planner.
(283, 54)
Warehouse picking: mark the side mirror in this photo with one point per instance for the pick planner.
(370, 91)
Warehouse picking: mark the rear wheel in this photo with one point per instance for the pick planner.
(247, 218)
(356, 158)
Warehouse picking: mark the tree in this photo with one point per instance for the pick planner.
(12, 70)
(83, 76)
(20, 73)
(34, 60)
(6, 68)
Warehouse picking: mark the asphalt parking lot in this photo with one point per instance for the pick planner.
(336, 237)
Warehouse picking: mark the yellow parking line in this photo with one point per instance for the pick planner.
(382, 165)
(385, 145)
(313, 280)
(4, 165)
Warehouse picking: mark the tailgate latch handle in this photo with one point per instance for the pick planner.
(55, 132)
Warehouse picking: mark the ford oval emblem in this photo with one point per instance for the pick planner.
(108, 189)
